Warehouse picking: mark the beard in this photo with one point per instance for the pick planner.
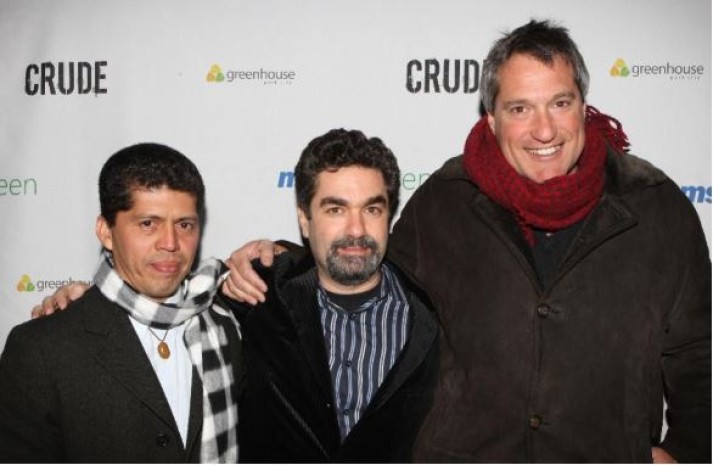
(353, 270)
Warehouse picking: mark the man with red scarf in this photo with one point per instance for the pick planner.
(572, 280)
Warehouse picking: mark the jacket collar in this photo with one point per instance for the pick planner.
(609, 218)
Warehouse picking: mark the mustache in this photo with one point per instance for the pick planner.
(366, 242)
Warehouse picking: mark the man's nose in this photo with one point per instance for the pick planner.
(169, 239)
(543, 129)
(355, 226)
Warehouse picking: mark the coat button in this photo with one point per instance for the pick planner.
(543, 310)
(535, 422)
(162, 439)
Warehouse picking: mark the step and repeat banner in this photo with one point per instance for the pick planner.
(241, 87)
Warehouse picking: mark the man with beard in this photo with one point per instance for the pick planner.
(340, 355)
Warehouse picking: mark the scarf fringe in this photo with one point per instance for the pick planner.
(610, 128)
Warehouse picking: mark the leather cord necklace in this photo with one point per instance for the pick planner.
(163, 351)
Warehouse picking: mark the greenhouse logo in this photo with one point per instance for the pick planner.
(259, 75)
(619, 69)
(25, 284)
(215, 74)
(672, 71)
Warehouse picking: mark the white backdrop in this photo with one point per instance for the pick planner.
(292, 71)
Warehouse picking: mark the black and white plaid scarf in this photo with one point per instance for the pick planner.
(205, 339)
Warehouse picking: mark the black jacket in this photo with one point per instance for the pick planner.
(286, 408)
(77, 386)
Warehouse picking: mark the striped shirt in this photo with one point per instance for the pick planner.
(363, 343)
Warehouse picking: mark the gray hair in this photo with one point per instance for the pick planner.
(542, 40)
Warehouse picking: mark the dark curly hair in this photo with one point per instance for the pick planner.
(146, 166)
(340, 148)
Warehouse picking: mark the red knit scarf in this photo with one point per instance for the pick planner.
(558, 202)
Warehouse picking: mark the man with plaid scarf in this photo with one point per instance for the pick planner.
(142, 368)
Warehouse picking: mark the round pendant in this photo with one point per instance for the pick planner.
(163, 350)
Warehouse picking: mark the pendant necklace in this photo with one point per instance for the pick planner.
(162, 348)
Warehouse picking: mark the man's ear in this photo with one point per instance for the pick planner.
(491, 122)
(304, 223)
(104, 234)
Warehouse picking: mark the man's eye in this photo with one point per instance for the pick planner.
(374, 211)
(146, 223)
(562, 103)
(187, 226)
(334, 210)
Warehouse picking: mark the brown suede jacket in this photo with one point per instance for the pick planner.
(576, 371)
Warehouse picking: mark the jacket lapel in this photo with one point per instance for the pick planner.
(504, 226)
(117, 348)
(610, 218)
(195, 418)
(301, 303)
(423, 329)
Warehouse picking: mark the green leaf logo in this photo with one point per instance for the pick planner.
(215, 74)
(25, 284)
(619, 69)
